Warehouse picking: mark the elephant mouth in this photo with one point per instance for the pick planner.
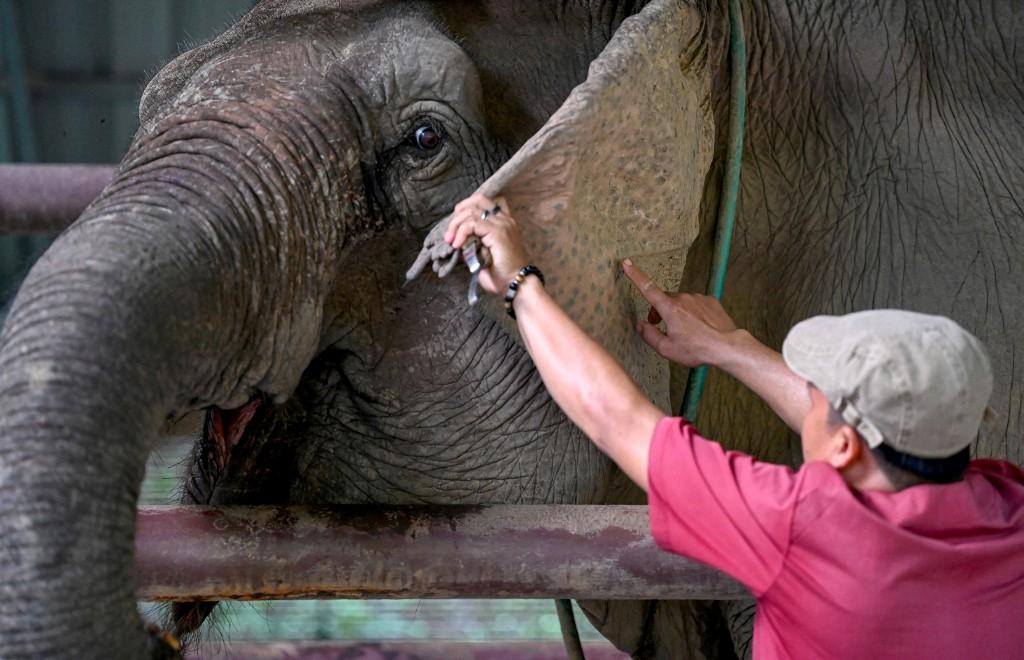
(226, 428)
(241, 456)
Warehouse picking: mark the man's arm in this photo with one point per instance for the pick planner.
(763, 371)
(727, 510)
(594, 391)
(585, 380)
(724, 509)
(600, 397)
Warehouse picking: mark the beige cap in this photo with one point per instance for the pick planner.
(917, 382)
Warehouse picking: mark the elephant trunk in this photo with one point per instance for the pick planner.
(197, 279)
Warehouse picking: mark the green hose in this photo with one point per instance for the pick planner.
(730, 189)
(723, 241)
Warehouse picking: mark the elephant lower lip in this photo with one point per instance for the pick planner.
(227, 427)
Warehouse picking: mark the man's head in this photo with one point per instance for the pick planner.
(896, 397)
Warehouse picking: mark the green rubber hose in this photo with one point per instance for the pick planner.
(730, 189)
(723, 241)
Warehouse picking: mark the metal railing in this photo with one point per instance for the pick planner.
(45, 199)
(500, 551)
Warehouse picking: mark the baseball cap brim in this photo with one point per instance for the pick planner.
(810, 349)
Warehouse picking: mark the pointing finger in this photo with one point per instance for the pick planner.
(648, 288)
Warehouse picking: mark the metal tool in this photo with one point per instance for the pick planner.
(477, 258)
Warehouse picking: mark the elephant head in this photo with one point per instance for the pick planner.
(248, 260)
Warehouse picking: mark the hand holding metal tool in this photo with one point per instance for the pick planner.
(477, 257)
(443, 258)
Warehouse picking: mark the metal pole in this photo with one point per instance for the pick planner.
(39, 199)
(266, 553)
(570, 632)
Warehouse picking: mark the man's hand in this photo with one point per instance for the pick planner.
(698, 331)
(697, 328)
(492, 222)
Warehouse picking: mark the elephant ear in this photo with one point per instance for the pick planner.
(617, 171)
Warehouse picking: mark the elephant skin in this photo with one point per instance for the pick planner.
(248, 261)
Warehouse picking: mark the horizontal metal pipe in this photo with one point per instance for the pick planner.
(560, 551)
(45, 199)
(431, 649)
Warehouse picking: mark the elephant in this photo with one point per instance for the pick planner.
(248, 262)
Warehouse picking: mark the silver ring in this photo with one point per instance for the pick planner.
(484, 214)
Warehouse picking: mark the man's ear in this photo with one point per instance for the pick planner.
(846, 447)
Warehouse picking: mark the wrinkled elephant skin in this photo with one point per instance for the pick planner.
(248, 261)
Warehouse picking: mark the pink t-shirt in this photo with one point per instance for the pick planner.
(933, 571)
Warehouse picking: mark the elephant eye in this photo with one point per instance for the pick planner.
(427, 138)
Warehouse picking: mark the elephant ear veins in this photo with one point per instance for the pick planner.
(618, 171)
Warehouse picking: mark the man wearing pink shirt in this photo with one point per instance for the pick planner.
(888, 542)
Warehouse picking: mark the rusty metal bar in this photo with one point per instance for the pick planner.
(264, 553)
(420, 650)
(41, 199)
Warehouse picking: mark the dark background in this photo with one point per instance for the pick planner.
(71, 74)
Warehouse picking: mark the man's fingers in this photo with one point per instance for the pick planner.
(465, 230)
(652, 336)
(648, 288)
(474, 201)
(491, 234)
(458, 217)
(458, 227)
(475, 227)
(468, 209)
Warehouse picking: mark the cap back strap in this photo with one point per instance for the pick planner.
(854, 418)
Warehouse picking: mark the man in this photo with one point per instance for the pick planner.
(888, 542)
